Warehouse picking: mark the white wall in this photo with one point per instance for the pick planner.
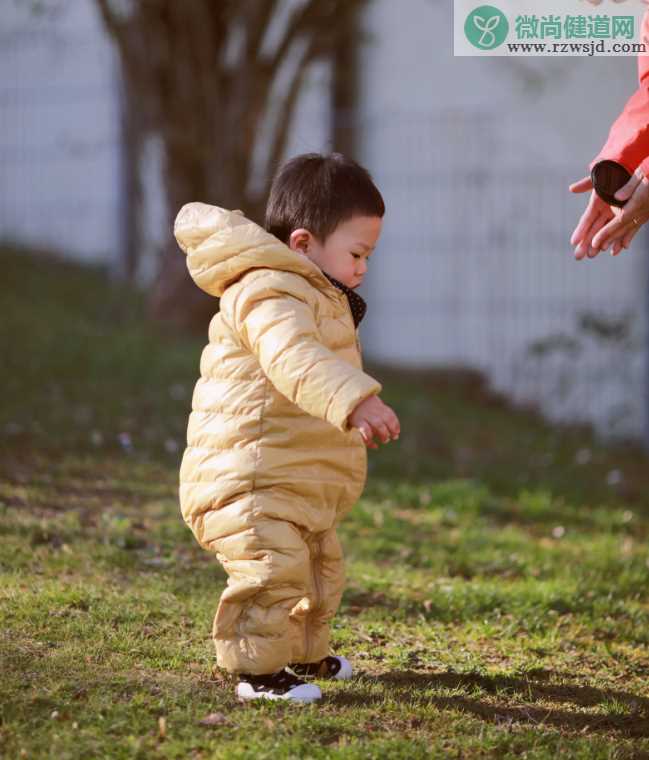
(59, 141)
(474, 156)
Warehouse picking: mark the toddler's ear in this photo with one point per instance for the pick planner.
(299, 240)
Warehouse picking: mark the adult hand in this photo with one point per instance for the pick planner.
(596, 216)
(620, 231)
(373, 417)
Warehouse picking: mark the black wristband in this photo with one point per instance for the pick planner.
(607, 178)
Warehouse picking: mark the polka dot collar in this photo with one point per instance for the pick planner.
(356, 303)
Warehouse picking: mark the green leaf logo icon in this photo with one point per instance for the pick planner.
(486, 27)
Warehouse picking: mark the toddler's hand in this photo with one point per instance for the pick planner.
(373, 417)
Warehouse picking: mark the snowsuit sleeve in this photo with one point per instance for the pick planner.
(628, 139)
(278, 326)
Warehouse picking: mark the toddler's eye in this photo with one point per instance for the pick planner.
(356, 255)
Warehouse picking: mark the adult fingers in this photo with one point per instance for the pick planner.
(626, 191)
(626, 240)
(584, 246)
(597, 226)
(585, 223)
(582, 185)
(611, 231)
(618, 237)
(627, 226)
(636, 211)
(594, 208)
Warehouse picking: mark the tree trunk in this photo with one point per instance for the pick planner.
(344, 91)
(201, 79)
(131, 192)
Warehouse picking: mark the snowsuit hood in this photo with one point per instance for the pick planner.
(223, 245)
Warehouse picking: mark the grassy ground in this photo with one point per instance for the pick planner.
(497, 604)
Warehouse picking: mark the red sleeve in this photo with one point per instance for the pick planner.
(628, 140)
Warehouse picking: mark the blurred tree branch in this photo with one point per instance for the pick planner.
(204, 76)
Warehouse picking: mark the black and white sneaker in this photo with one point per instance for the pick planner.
(281, 685)
(334, 666)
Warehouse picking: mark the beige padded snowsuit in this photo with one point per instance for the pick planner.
(271, 465)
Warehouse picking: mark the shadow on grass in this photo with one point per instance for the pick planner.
(405, 686)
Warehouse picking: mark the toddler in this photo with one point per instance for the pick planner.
(281, 416)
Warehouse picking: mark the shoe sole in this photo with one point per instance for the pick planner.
(305, 693)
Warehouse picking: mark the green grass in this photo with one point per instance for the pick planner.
(497, 603)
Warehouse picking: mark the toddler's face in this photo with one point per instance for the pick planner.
(345, 252)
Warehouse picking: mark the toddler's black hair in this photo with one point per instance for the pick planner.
(319, 192)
